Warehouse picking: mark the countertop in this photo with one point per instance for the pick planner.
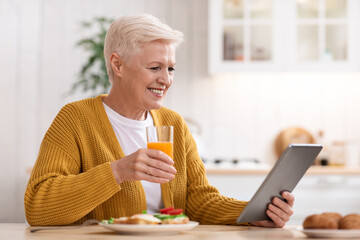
(313, 170)
(202, 232)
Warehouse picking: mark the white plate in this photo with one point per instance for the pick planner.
(162, 228)
(331, 233)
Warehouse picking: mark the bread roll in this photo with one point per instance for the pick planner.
(336, 216)
(350, 221)
(318, 221)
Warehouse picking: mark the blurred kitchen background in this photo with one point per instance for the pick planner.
(251, 77)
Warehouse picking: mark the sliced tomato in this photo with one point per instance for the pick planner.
(175, 212)
(166, 210)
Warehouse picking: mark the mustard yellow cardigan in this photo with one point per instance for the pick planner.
(72, 180)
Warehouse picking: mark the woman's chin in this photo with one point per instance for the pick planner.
(156, 106)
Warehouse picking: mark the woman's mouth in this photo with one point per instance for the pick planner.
(158, 92)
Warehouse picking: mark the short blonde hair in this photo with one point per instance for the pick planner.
(128, 34)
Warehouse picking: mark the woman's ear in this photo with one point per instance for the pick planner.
(116, 64)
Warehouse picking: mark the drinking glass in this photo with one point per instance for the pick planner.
(161, 138)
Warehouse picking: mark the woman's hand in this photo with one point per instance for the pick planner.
(279, 211)
(144, 164)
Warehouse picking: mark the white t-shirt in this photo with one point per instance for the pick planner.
(131, 135)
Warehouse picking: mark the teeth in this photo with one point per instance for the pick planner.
(156, 91)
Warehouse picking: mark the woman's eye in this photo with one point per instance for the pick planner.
(170, 69)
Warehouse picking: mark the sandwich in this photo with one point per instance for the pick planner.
(141, 218)
(172, 216)
(168, 215)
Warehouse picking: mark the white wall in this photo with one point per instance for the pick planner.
(39, 62)
(250, 109)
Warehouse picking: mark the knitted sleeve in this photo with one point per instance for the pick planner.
(58, 192)
(204, 202)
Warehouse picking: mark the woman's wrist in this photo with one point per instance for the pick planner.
(116, 173)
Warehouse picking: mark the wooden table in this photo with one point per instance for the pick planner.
(203, 232)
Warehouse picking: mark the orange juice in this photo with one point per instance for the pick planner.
(166, 147)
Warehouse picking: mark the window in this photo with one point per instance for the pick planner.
(247, 30)
(322, 30)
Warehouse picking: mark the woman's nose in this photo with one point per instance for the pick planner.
(165, 78)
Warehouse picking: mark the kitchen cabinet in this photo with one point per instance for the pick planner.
(318, 191)
(330, 193)
(283, 35)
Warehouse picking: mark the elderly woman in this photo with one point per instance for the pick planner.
(93, 162)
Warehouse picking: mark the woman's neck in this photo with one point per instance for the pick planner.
(115, 102)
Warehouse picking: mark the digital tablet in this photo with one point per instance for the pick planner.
(284, 176)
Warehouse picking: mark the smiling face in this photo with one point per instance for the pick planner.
(143, 84)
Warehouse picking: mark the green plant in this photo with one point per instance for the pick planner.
(93, 76)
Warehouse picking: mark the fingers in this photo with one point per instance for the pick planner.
(289, 197)
(159, 155)
(282, 208)
(264, 223)
(150, 165)
(162, 171)
(278, 220)
(158, 164)
(280, 211)
(150, 178)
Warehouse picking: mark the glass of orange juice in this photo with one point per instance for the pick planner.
(161, 138)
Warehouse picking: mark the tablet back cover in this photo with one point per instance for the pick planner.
(284, 176)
